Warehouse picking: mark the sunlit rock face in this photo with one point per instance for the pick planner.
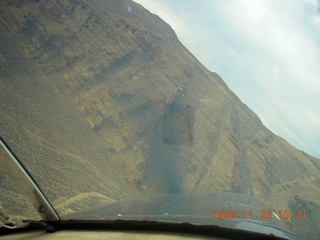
(101, 102)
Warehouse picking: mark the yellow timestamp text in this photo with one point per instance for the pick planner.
(262, 215)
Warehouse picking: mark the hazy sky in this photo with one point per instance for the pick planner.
(267, 51)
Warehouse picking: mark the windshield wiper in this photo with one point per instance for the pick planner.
(23, 179)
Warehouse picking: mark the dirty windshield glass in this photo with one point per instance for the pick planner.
(106, 102)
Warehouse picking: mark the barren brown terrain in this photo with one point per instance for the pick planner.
(101, 102)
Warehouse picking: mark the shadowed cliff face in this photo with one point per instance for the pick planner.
(101, 102)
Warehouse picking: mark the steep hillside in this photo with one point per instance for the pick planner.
(101, 102)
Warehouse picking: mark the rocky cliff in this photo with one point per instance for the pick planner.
(102, 102)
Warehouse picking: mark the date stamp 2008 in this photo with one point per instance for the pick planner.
(263, 215)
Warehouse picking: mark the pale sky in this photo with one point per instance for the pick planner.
(267, 52)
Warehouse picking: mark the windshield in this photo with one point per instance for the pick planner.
(103, 103)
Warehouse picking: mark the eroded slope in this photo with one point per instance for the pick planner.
(102, 102)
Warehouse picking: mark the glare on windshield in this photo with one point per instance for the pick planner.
(105, 102)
